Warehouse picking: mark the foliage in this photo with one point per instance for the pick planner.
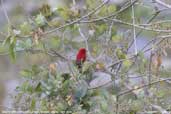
(56, 84)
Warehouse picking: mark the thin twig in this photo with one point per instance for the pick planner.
(121, 60)
(78, 20)
(117, 104)
(112, 15)
(149, 68)
(159, 108)
(110, 30)
(140, 87)
(5, 12)
(130, 24)
(134, 32)
(150, 20)
(162, 3)
(57, 54)
(141, 27)
(6, 16)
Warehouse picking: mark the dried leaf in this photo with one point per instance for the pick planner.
(100, 66)
(52, 68)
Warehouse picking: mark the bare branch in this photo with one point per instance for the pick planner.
(162, 3)
(134, 33)
(160, 109)
(6, 16)
(140, 87)
(78, 20)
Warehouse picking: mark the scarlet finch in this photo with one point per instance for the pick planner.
(81, 57)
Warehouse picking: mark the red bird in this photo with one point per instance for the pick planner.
(81, 57)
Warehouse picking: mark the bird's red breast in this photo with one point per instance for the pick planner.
(81, 57)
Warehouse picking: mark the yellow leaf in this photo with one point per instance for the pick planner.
(127, 63)
(52, 68)
(116, 38)
(100, 66)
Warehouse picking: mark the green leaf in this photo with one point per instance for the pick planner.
(107, 10)
(65, 88)
(40, 45)
(65, 77)
(91, 3)
(12, 40)
(55, 42)
(104, 106)
(25, 28)
(101, 28)
(26, 87)
(111, 8)
(33, 104)
(127, 63)
(12, 52)
(46, 10)
(40, 20)
(120, 54)
(86, 67)
(64, 12)
(60, 9)
(6, 41)
(38, 87)
(136, 105)
(116, 38)
(21, 45)
(26, 73)
(35, 69)
(43, 104)
(81, 90)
